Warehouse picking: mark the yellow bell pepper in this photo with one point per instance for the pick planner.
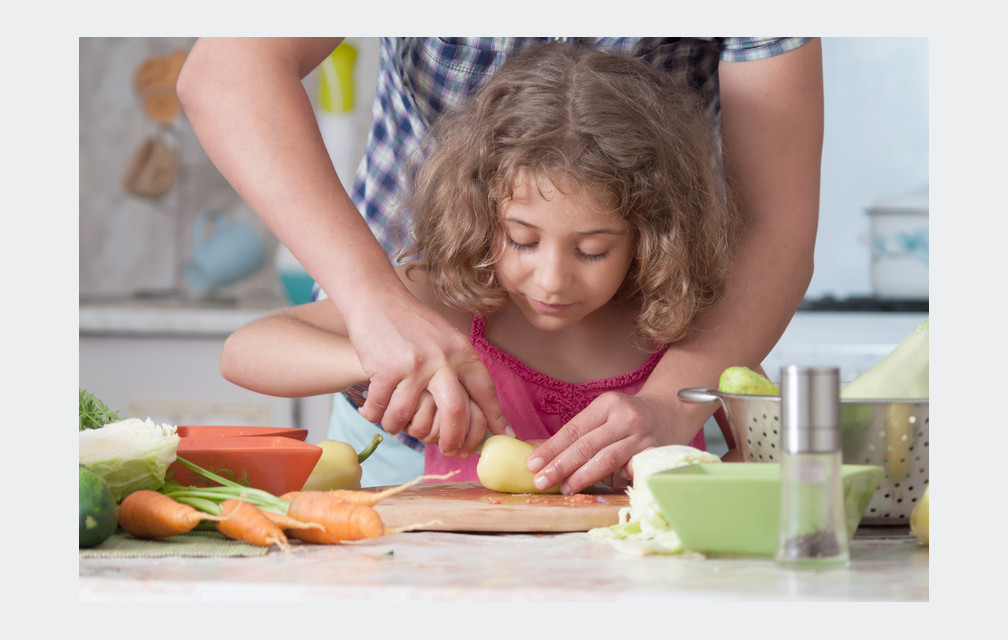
(501, 466)
(339, 467)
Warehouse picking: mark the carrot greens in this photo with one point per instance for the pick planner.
(209, 498)
(94, 414)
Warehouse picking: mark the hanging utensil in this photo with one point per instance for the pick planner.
(153, 169)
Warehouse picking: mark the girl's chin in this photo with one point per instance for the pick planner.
(547, 322)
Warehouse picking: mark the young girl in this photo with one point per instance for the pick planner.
(569, 217)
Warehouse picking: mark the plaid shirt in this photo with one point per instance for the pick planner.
(419, 78)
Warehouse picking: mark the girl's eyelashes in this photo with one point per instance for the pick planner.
(592, 257)
(519, 246)
(529, 246)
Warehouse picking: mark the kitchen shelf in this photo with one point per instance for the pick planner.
(154, 317)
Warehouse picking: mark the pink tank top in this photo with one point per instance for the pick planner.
(535, 404)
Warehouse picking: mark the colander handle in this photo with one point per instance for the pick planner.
(699, 395)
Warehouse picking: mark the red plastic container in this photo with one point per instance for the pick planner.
(273, 463)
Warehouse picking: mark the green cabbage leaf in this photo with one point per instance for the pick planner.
(903, 373)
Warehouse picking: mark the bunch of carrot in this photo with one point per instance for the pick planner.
(256, 516)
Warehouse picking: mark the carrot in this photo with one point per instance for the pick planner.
(150, 514)
(341, 521)
(241, 520)
(371, 498)
(286, 522)
(313, 516)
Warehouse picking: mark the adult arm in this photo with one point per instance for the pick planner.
(248, 107)
(772, 128)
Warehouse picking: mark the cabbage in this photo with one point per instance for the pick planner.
(642, 529)
(130, 454)
(903, 373)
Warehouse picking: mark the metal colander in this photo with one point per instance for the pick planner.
(892, 434)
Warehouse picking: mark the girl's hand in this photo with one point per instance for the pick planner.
(426, 427)
(599, 441)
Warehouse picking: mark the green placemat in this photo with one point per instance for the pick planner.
(195, 543)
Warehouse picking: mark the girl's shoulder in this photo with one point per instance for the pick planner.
(415, 277)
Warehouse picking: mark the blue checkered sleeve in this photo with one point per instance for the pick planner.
(743, 49)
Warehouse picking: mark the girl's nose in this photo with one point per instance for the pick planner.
(552, 271)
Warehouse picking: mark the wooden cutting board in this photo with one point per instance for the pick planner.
(468, 506)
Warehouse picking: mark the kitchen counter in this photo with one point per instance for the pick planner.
(887, 564)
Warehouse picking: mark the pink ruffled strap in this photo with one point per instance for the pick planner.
(555, 396)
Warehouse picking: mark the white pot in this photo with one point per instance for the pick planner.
(899, 246)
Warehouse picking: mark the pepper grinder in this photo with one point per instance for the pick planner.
(813, 527)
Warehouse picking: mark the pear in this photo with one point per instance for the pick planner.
(745, 381)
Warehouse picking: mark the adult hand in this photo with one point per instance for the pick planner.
(409, 352)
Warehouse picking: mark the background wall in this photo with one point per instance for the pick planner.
(876, 144)
(131, 244)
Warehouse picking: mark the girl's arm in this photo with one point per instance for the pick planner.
(297, 352)
(772, 130)
(305, 351)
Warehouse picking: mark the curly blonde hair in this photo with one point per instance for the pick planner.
(611, 125)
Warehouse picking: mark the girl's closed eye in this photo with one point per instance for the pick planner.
(588, 256)
(592, 257)
(520, 246)
(596, 247)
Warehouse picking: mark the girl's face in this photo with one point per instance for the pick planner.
(565, 255)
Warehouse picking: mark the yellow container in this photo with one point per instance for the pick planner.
(336, 82)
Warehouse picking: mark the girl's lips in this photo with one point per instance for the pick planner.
(543, 307)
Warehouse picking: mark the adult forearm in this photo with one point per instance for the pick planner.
(763, 294)
(249, 109)
(772, 130)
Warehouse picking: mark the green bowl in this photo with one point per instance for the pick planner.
(732, 508)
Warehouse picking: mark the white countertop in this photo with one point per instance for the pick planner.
(887, 564)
